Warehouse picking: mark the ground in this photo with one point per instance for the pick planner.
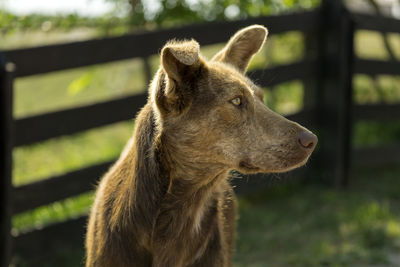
(314, 225)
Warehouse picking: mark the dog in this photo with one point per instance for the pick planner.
(167, 201)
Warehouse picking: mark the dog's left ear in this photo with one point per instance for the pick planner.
(180, 58)
(181, 63)
(242, 46)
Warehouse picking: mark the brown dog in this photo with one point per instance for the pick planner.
(167, 201)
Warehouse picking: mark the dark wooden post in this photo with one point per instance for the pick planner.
(311, 85)
(335, 99)
(6, 123)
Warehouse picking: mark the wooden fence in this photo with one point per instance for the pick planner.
(327, 74)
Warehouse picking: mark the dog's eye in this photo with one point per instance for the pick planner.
(237, 101)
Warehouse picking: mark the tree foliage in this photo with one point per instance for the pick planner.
(10, 23)
(133, 14)
(170, 12)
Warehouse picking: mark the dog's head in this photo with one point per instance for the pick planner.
(214, 114)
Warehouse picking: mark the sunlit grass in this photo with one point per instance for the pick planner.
(55, 212)
(64, 154)
(48, 92)
(285, 48)
(318, 226)
(286, 98)
(23, 39)
(370, 44)
(381, 89)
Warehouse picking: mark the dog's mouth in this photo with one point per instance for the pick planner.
(286, 164)
(248, 167)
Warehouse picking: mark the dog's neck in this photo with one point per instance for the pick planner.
(194, 186)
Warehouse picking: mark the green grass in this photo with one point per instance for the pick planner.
(375, 133)
(285, 98)
(58, 211)
(310, 225)
(370, 44)
(65, 89)
(23, 39)
(379, 89)
(64, 154)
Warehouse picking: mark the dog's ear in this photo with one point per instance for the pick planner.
(181, 63)
(179, 59)
(242, 46)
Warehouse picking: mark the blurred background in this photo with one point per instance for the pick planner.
(294, 223)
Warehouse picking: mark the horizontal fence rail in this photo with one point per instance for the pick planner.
(41, 127)
(41, 243)
(377, 112)
(84, 53)
(302, 70)
(376, 156)
(376, 23)
(32, 195)
(376, 67)
(307, 117)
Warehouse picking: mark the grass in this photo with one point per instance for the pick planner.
(370, 44)
(375, 133)
(64, 154)
(23, 39)
(58, 211)
(312, 225)
(66, 89)
(382, 88)
(289, 225)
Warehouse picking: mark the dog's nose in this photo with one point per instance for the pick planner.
(307, 140)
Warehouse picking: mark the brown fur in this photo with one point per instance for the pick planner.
(167, 201)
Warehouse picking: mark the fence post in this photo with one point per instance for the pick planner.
(335, 100)
(6, 125)
(311, 51)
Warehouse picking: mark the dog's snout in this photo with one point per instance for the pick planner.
(307, 140)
